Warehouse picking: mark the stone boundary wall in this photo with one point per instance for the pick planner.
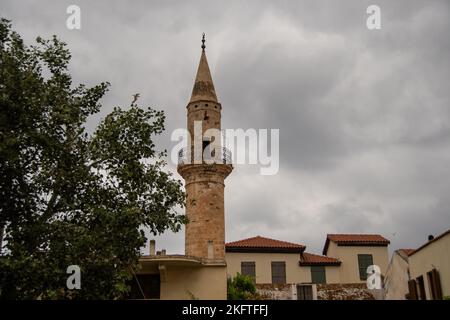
(350, 291)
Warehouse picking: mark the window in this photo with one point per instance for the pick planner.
(304, 292)
(145, 286)
(364, 260)
(434, 284)
(210, 249)
(248, 268)
(421, 285)
(206, 151)
(205, 144)
(412, 294)
(278, 272)
(318, 274)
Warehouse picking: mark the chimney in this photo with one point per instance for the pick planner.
(163, 252)
(152, 247)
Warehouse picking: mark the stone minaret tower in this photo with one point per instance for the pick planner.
(205, 232)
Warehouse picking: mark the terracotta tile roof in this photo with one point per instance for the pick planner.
(261, 244)
(355, 240)
(309, 259)
(404, 253)
(407, 251)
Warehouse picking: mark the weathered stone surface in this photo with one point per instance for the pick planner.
(349, 291)
(274, 291)
(203, 85)
(204, 182)
(205, 208)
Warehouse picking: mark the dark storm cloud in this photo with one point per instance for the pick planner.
(364, 116)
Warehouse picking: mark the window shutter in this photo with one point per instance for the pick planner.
(304, 292)
(420, 283)
(437, 284)
(318, 274)
(248, 268)
(364, 260)
(412, 289)
(431, 285)
(278, 272)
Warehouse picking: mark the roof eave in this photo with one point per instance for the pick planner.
(312, 264)
(360, 244)
(264, 250)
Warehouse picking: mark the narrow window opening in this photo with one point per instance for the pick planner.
(210, 249)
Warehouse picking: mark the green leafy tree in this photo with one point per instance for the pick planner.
(69, 197)
(241, 287)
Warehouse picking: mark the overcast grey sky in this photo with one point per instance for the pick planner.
(364, 116)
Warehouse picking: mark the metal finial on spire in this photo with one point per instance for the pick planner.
(203, 42)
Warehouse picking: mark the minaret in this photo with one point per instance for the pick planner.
(205, 231)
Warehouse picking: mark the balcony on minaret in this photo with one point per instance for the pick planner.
(224, 156)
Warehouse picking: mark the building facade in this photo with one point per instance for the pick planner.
(357, 252)
(271, 261)
(397, 275)
(429, 268)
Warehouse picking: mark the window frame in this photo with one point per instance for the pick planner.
(421, 285)
(249, 264)
(305, 292)
(363, 270)
(434, 284)
(278, 279)
(315, 270)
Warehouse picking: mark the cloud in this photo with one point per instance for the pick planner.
(364, 116)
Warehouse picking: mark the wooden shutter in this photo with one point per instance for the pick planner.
(278, 272)
(436, 279)
(431, 285)
(318, 274)
(412, 289)
(248, 268)
(421, 284)
(304, 292)
(364, 260)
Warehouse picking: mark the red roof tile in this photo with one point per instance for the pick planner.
(407, 251)
(257, 244)
(355, 240)
(309, 259)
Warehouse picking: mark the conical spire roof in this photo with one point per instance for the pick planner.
(203, 86)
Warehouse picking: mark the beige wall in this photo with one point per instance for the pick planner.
(263, 267)
(396, 280)
(348, 255)
(205, 283)
(333, 274)
(436, 254)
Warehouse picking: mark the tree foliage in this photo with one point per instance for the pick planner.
(69, 197)
(241, 287)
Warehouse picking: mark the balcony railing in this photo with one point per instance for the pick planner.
(224, 157)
